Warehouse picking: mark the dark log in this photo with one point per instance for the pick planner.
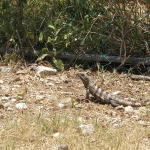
(30, 53)
(104, 58)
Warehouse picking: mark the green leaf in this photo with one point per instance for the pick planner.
(41, 36)
(58, 63)
(50, 40)
(65, 37)
(57, 32)
(51, 26)
(44, 50)
(41, 57)
(67, 44)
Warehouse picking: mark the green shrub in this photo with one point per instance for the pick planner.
(115, 27)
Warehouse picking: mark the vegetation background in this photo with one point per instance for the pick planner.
(111, 27)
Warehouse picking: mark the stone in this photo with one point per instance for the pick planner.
(45, 71)
(116, 121)
(5, 99)
(57, 134)
(40, 97)
(63, 147)
(1, 81)
(50, 84)
(61, 105)
(5, 69)
(80, 119)
(21, 106)
(128, 109)
(16, 86)
(13, 100)
(3, 87)
(8, 104)
(86, 129)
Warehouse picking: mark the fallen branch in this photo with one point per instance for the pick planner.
(31, 53)
(140, 77)
(104, 58)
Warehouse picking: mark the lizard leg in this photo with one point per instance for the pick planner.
(87, 94)
(114, 103)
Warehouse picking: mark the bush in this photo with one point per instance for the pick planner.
(109, 27)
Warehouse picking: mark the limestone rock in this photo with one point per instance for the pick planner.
(21, 106)
(86, 129)
(128, 109)
(45, 71)
(5, 69)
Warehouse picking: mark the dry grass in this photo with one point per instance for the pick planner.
(32, 129)
(28, 131)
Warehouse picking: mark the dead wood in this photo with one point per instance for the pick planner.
(140, 77)
(104, 58)
(31, 53)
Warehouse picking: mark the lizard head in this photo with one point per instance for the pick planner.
(84, 77)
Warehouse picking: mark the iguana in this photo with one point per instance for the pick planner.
(103, 96)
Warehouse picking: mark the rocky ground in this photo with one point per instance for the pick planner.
(48, 111)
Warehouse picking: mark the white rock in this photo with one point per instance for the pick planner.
(57, 134)
(13, 100)
(42, 71)
(141, 122)
(16, 86)
(50, 84)
(3, 87)
(40, 97)
(81, 119)
(128, 109)
(61, 105)
(116, 121)
(1, 81)
(8, 104)
(63, 147)
(5, 69)
(5, 99)
(86, 129)
(19, 97)
(116, 125)
(40, 107)
(21, 106)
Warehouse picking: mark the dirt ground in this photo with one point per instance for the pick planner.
(56, 104)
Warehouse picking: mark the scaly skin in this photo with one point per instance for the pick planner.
(102, 96)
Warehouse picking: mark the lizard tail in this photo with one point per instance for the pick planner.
(146, 103)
